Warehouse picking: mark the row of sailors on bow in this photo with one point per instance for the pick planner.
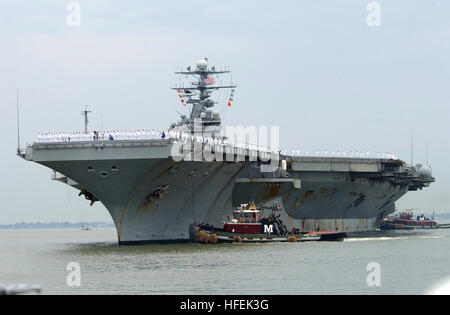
(147, 134)
(144, 134)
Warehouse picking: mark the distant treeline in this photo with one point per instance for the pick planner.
(99, 224)
(56, 225)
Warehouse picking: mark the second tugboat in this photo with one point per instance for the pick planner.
(249, 225)
(405, 221)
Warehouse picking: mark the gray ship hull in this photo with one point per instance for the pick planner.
(152, 198)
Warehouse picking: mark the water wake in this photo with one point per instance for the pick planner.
(388, 238)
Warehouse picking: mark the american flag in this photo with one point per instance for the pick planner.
(209, 80)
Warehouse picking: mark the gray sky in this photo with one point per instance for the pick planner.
(314, 68)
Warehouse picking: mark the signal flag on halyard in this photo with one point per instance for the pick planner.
(209, 80)
(230, 100)
(182, 96)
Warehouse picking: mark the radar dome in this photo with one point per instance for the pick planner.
(202, 64)
(425, 172)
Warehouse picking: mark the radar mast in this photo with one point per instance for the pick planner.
(198, 95)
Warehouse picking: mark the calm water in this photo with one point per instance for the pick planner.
(410, 263)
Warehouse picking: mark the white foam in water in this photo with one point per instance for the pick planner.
(432, 237)
(367, 239)
(385, 238)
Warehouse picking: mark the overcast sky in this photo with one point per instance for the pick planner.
(314, 68)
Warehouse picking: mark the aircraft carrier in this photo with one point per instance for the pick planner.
(155, 186)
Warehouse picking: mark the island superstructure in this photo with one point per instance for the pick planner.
(154, 185)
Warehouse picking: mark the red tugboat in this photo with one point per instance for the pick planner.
(405, 221)
(248, 225)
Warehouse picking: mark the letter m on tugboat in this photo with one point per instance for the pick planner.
(268, 229)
